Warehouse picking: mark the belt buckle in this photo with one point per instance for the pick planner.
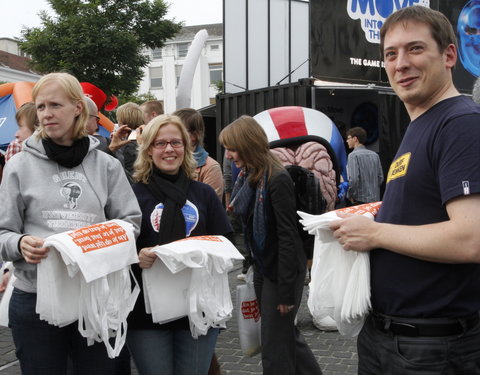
(404, 329)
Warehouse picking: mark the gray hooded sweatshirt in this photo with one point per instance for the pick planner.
(39, 197)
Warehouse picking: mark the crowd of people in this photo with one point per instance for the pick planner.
(154, 172)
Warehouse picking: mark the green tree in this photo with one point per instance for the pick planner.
(99, 41)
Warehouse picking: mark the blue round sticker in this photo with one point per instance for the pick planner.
(190, 213)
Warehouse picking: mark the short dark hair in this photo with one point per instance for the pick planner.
(358, 132)
(153, 106)
(440, 27)
(193, 121)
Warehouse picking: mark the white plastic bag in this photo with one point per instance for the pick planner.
(5, 302)
(86, 278)
(248, 317)
(190, 278)
(340, 280)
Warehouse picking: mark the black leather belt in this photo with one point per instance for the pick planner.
(434, 327)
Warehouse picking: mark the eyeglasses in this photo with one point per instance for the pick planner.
(175, 143)
(97, 117)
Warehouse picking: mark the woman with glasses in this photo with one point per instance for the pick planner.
(165, 189)
(59, 182)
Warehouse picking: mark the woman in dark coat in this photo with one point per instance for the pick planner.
(264, 196)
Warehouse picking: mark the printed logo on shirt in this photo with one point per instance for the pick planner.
(190, 213)
(466, 187)
(202, 238)
(399, 167)
(71, 191)
(98, 236)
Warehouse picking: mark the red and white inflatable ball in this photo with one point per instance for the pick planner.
(286, 125)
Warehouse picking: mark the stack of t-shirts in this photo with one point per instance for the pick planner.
(340, 280)
(191, 279)
(100, 296)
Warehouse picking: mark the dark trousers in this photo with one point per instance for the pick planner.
(284, 350)
(389, 354)
(43, 349)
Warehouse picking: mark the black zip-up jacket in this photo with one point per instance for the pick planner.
(283, 257)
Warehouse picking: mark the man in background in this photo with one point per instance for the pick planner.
(364, 170)
(151, 109)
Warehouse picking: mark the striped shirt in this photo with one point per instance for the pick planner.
(365, 175)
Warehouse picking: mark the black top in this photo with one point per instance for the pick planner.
(437, 161)
(212, 220)
(283, 257)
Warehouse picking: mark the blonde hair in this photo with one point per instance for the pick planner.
(144, 163)
(248, 139)
(130, 114)
(74, 92)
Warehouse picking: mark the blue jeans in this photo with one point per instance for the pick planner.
(43, 349)
(389, 354)
(171, 352)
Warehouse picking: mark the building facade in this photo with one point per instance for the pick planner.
(14, 64)
(163, 73)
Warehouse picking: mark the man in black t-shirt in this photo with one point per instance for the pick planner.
(425, 243)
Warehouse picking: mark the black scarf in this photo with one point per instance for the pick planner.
(171, 190)
(67, 156)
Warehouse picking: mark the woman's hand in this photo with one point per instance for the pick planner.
(32, 249)
(5, 280)
(146, 257)
(285, 309)
(139, 131)
(119, 138)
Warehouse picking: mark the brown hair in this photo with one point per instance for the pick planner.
(153, 106)
(28, 112)
(193, 121)
(440, 27)
(248, 139)
(358, 132)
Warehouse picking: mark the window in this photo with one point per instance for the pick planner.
(156, 75)
(178, 71)
(182, 49)
(156, 53)
(216, 73)
(214, 47)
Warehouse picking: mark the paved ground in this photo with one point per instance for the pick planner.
(336, 354)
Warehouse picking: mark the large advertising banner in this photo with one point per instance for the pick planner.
(345, 37)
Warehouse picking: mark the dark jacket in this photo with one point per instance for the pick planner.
(283, 257)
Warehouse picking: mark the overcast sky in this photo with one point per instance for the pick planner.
(19, 13)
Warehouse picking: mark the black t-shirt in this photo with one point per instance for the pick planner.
(212, 220)
(438, 159)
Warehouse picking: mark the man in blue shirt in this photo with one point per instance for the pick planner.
(425, 243)
(364, 170)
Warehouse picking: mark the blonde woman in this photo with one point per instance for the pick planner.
(174, 206)
(264, 197)
(58, 182)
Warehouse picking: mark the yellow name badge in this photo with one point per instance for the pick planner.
(399, 167)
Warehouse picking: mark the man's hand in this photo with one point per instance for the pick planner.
(354, 231)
